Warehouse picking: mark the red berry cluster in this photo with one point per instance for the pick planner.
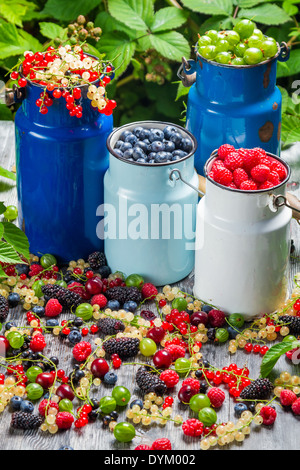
(235, 378)
(246, 169)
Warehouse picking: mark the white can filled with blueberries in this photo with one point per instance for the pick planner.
(149, 219)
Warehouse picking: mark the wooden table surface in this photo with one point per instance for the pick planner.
(282, 435)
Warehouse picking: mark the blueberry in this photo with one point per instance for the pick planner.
(118, 152)
(128, 153)
(142, 145)
(232, 332)
(151, 160)
(138, 153)
(126, 146)
(113, 304)
(130, 305)
(156, 146)
(131, 138)
(105, 271)
(110, 378)
(151, 156)
(22, 268)
(38, 310)
(141, 160)
(169, 156)
(169, 146)
(239, 408)
(124, 135)
(15, 403)
(186, 145)
(137, 402)
(13, 299)
(176, 137)
(168, 130)
(119, 144)
(9, 325)
(156, 134)
(139, 132)
(146, 141)
(26, 406)
(179, 153)
(161, 157)
(74, 336)
(206, 308)
(147, 132)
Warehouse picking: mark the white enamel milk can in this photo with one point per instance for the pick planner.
(242, 247)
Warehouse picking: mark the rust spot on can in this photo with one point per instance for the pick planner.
(279, 131)
(201, 64)
(275, 106)
(266, 79)
(266, 131)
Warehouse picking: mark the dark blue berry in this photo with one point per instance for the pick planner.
(9, 325)
(15, 403)
(130, 305)
(233, 332)
(187, 145)
(137, 402)
(179, 153)
(142, 145)
(141, 160)
(74, 336)
(239, 408)
(169, 146)
(113, 304)
(139, 132)
(161, 157)
(22, 268)
(128, 153)
(156, 146)
(131, 138)
(13, 299)
(138, 153)
(206, 308)
(38, 310)
(168, 130)
(124, 135)
(26, 406)
(119, 144)
(110, 378)
(105, 271)
(156, 134)
(176, 137)
(118, 152)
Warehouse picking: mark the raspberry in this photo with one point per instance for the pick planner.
(38, 343)
(232, 186)
(149, 291)
(79, 289)
(216, 396)
(82, 350)
(194, 383)
(266, 185)
(260, 173)
(192, 427)
(169, 377)
(279, 168)
(53, 308)
(100, 300)
(296, 407)
(233, 161)
(222, 176)
(64, 420)
(176, 351)
(217, 163)
(266, 161)
(216, 318)
(251, 158)
(224, 150)
(239, 175)
(47, 404)
(287, 397)
(143, 447)
(274, 178)
(268, 414)
(161, 444)
(248, 185)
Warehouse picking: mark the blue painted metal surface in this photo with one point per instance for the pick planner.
(150, 220)
(61, 161)
(238, 105)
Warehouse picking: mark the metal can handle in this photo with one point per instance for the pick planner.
(173, 177)
(289, 201)
(186, 72)
(284, 54)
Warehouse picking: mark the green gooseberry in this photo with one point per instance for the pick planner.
(199, 401)
(15, 339)
(134, 280)
(207, 416)
(107, 405)
(221, 335)
(124, 432)
(48, 260)
(37, 287)
(84, 311)
(182, 365)
(34, 391)
(121, 395)
(33, 372)
(179, 304)
(11, 213)
(65, 405)
(147, 347)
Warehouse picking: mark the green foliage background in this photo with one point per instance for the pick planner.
(149, 38)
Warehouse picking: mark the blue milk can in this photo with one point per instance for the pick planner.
(61, 161)
(149, 217)
(238, 105)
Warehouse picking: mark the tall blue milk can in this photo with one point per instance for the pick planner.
(238, 105)
(61, 161)
(149, 214)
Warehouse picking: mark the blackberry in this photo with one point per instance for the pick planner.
(292, 322)
(4, 308)
(97, 259)
(123, 294)
(125, 347)
(22, 420)
(259, 389)
(150, 382)
(66, 297)
(110, 326)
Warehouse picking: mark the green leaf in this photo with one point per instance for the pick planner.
(250, 3)
(5, 113)
(290, 129)
(117, 46)
(289, 8)
(265, 14)
(68, 10)
(9, 41)
(272, 355)
(291, 67)
(29, 42)
(14, 10)
(181, 91)
(129, 13)
(210, 7)
(16, 238)
(8, 254)
(168, 18)
(215, 22)
(108, 24)
(171, 45)
(52, 30)
(7, 174)
(2, 208)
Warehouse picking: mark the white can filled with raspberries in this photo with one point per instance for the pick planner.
(243, 232)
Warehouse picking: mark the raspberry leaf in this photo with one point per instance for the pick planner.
(272, 355)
